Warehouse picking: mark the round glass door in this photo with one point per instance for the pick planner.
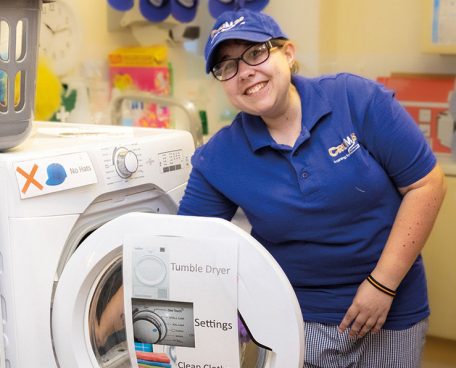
(108, 334)
(106, 320)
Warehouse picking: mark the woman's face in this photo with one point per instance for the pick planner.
(261, 89)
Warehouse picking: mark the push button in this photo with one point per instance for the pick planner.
(304, 174)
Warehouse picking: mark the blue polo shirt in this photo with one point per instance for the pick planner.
(325, 207)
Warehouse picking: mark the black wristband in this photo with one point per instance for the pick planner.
(381, 287)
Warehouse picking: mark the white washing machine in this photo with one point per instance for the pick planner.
(69, 196)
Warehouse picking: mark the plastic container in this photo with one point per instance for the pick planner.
(19, 32)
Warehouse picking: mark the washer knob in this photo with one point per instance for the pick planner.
(125, 162)
(148, 327)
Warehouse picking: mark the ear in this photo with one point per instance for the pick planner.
(289, 50)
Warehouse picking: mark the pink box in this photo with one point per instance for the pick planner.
(141, 69)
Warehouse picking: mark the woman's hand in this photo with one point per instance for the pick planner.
(414, 220)
(368, 311)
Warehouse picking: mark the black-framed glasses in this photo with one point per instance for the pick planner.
(253, 55)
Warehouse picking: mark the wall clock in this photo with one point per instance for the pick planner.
(60, 36)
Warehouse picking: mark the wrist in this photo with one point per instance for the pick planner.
(379, 286)
(389, 275)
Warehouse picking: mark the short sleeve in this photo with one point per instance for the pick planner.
(202, 199)
(391, 135)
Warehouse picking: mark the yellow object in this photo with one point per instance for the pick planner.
(123, 82)
(48, 92)
(139, 56)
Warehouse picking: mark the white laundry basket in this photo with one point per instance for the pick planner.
(19, 32)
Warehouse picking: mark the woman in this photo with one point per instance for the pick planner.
(339, 186)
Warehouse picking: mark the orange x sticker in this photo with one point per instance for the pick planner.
(30, 178)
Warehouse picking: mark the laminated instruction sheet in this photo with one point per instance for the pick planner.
(181, 301)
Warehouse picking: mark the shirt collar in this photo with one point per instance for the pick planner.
(314, 103)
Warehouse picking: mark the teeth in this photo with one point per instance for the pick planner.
(255, 88)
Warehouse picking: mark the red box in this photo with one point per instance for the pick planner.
(426, 98)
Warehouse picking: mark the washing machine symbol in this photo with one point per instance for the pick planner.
(150, 273)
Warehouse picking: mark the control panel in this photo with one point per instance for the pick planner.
(171, 160)
(125, 162)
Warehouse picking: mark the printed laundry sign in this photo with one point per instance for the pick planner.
(181, 301)
(54, 174)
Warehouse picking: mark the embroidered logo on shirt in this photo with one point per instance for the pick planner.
(226, 27)
(345, 149)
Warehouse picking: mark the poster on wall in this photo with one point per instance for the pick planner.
(444, 22)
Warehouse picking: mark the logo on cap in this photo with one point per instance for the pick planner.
(226, 27)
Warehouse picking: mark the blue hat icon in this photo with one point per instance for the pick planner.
(56, 174)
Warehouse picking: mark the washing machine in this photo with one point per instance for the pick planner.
(88, 225)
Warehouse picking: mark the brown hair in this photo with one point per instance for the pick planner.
(280, 42)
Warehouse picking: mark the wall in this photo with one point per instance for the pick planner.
(97, 40)
(300, 21)
(375, 38)
(439, 255)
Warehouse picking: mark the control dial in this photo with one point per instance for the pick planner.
(125, 162)
(148, 327)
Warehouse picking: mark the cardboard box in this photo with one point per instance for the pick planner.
(141, 69)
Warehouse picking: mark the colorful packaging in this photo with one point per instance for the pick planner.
(143, 69)
(426, 98)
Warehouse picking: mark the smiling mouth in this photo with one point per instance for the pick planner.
(256, 88)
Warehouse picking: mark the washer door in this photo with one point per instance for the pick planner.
(271, 331)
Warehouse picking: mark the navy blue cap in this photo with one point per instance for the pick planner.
(155, 10)
(242, 24)
(122, 5)
(184, 10)
(217, 7)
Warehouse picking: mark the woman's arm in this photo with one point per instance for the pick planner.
(202, 199)
(412, 226)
